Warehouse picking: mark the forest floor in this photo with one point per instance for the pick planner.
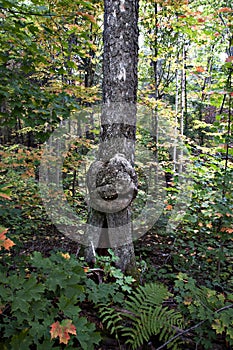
(151, 247)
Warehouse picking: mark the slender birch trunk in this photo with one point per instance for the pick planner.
(111, 180)
(182, 113)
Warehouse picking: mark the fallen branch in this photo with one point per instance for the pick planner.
(192, 328)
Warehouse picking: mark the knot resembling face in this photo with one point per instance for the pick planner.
(112, 185)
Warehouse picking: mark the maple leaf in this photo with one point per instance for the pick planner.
(65, 256)
(200, 69)
(7, 244)
(3, 232)
(169, 207)
(225, 9)
(62, 330)
(227, 229)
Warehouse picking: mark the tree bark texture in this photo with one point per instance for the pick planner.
(111, 180)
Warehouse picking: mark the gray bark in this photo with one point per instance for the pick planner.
(111, 180)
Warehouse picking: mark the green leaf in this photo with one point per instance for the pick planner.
(21, 304)
(67, 306)
(21, 341)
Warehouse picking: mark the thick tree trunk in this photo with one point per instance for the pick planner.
(112, 181)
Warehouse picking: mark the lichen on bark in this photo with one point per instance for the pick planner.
(111, 179)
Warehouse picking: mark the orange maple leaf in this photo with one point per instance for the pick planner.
(227, 229)
(65, 256)
(62, 330)
(169, 207)
(3, 232)
(200, 69)
(225, 9)
(5, 242)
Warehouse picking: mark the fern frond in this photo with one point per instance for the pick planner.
(150, 295)
(151, 318)
(145, 314)
(111, 319)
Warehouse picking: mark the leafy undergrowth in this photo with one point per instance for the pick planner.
(53, 300)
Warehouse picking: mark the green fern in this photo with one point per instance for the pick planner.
(158, 321)
(111, 319)
(147, 296)
(149, 317)
(143, 316)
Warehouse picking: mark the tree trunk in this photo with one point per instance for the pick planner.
(111, 179)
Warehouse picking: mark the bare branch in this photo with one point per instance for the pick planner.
(192, 328)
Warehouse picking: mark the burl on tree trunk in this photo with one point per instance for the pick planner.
(111, 179)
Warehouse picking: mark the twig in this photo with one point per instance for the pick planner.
(193, 327)
(127, 312)
(225, 308)
(180, 334)
(95, 270)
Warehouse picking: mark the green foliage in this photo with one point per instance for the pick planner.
(104, 293)
(23, 214)
(44, 290)
(114, 274)
(214, 311)
(112, 319)
(209, 216)
(47, 290)
(146, 314)
(42, 45)
(149, 317)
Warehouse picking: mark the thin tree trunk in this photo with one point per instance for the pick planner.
(156, 80)
(176, 118)
(111, 179)
(183, 93)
